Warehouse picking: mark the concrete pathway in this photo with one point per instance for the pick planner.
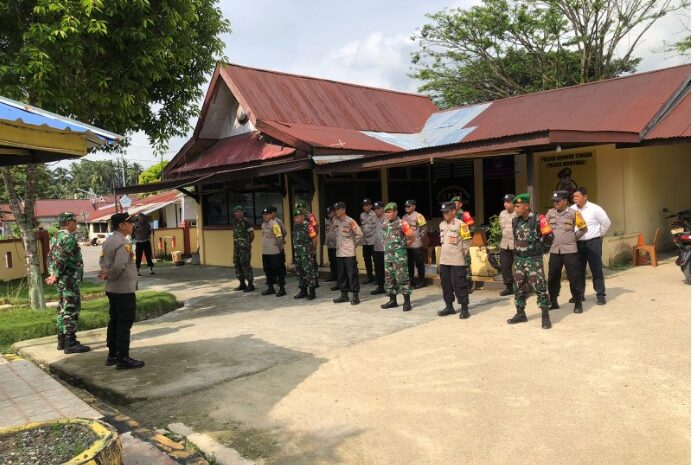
(285, 381)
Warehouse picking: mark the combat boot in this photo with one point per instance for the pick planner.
(545, 320)
(72, 346)
(507, 291)
(520, 317)
(268, 291)
(355, 299)
(335, 287)
(578, 307)
(249, 288)
(391, 304)
(127, 363)
(407, 303)
(301, 295)
(61, 341)
(448, 310)
(242, 287)
(342, 298)
(281, 292)
(311, 293)
(554, 304)
(464, 312)
(378, 290)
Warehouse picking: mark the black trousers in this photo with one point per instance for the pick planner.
(348, 274)
(368, 258)
(590, 251)
(121, 312)
(379, 259)
(453, 280)
(506, 263)
(571, 261)
(275, 269)
(416, 258)
(144, 247)
(332, 255)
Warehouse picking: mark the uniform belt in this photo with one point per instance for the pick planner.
(538, 253)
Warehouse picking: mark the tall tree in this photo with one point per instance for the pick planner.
(502, 48)
(123, 65)
(153, 173)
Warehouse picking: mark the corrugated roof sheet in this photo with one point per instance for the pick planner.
(234, 150)
(676, 123)
(151, 203)
(289, 98)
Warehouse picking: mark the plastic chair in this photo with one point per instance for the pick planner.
(649, 249)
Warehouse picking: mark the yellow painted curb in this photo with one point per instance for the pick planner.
(105, 450)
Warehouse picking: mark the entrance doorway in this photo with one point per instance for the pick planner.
(499, 179)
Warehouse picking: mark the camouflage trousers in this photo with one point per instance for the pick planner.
(306, 269)
(468, 261)
(529, 276)
(69, 305)
(397, 275)
(241, 261)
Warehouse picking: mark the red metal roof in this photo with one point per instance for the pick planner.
(625, 104)
(289, 98)
(163, 198)
(243, 148)
(676, 123)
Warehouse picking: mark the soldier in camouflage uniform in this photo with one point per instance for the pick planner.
(305, 242)
(467, 218)
(66, 268)
(529, 262)
(396, 235)
(243, 236)
(313, 222)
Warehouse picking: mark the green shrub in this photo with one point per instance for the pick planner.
(16, 292)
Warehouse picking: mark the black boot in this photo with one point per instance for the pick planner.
(391, 304)
(127, 363)
(464, 312)
(242, 287)
(301, 295)
(281, 292)
(335, 287)
(507, 291)
(545, 320)
(249, 288)
(268, 291)
(448, 310)
(355, 299)
(520, 317)
(311, 293)
(572, 299)
(111, 360)
(407, 303)
(342, 298)
(554, 304)
(578, 307)
(61, 341)
(74, 347)
(378, 290)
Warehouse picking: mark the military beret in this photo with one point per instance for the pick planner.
(377, 204)
(409, 203)
(118, 218)
(237, 208)
(508, 197)
(456, 198)
(390, 207)
(299, 211)
(300, 203)
(447, 206)
(64, 217)
(560, 195)
(564, 172)
(366, 202)
(339, 205)
(521, 198)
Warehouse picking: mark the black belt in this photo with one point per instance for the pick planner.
(528, 255)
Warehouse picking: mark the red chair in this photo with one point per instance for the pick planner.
(649, 249)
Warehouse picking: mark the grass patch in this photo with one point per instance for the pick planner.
(16, 292)
(22, 323)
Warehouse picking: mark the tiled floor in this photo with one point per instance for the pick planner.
(28, 394)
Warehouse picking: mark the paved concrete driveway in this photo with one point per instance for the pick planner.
(314, 382)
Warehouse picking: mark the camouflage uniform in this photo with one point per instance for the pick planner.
(303, 234)
(313, 222)
(65, 263)
(242, 250)
(529, 263)
(396, 269)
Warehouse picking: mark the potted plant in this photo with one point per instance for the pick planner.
(493, 237)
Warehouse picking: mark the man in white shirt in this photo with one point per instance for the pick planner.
(590, 244)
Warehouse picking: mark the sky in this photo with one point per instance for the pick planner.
(361, 41)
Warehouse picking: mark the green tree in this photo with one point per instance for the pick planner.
(125, 65)
(153, 173)
(43, 183)
(502, 48)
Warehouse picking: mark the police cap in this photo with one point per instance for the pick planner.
(366, 202)
(118, 218)
(447, 206)
(508, 197)
(410, 203)
(560, 195)
(377, 204)
(339, 205)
